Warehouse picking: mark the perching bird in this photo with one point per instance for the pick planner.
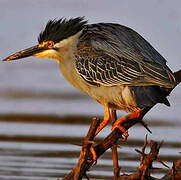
(111, 63)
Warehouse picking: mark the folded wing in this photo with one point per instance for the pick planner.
(112, 54)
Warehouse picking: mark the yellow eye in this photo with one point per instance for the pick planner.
(50, 44)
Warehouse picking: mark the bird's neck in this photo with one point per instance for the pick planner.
(66, 52)
(67, 47)
(67, 63)
(66, 60)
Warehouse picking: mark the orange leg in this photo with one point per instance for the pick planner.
(101, 126)
(119, 122)
(105, 121)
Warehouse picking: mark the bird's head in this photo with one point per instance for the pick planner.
(56, 37)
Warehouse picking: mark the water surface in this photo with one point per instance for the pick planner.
(43, 120)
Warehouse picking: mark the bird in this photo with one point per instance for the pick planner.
(110, 62)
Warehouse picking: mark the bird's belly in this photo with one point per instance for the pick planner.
(115, 97)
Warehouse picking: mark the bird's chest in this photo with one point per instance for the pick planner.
(117, 97)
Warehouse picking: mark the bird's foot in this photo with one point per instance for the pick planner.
(94, 156)
(119, 123)
(92, 151)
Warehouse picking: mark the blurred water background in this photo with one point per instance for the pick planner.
(43, 118)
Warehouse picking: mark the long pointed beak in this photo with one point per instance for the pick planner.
(26, 53)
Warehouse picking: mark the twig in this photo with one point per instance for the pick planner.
(175, 172)
(147, 165)
(114, 150)
(145, 126)
(146, 162)
(143, 155)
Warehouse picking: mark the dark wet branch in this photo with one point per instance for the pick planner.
(146, 160)
(80, 170)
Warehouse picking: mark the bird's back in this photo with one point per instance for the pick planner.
(112, 54)
(123, 41)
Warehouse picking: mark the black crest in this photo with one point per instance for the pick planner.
(57, 30)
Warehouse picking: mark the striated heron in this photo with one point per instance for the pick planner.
(111, 63)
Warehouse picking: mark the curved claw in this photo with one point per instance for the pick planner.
(119, 123)
(122, 129)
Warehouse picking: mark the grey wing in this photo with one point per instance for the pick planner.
(105, 70)
(121, 56)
